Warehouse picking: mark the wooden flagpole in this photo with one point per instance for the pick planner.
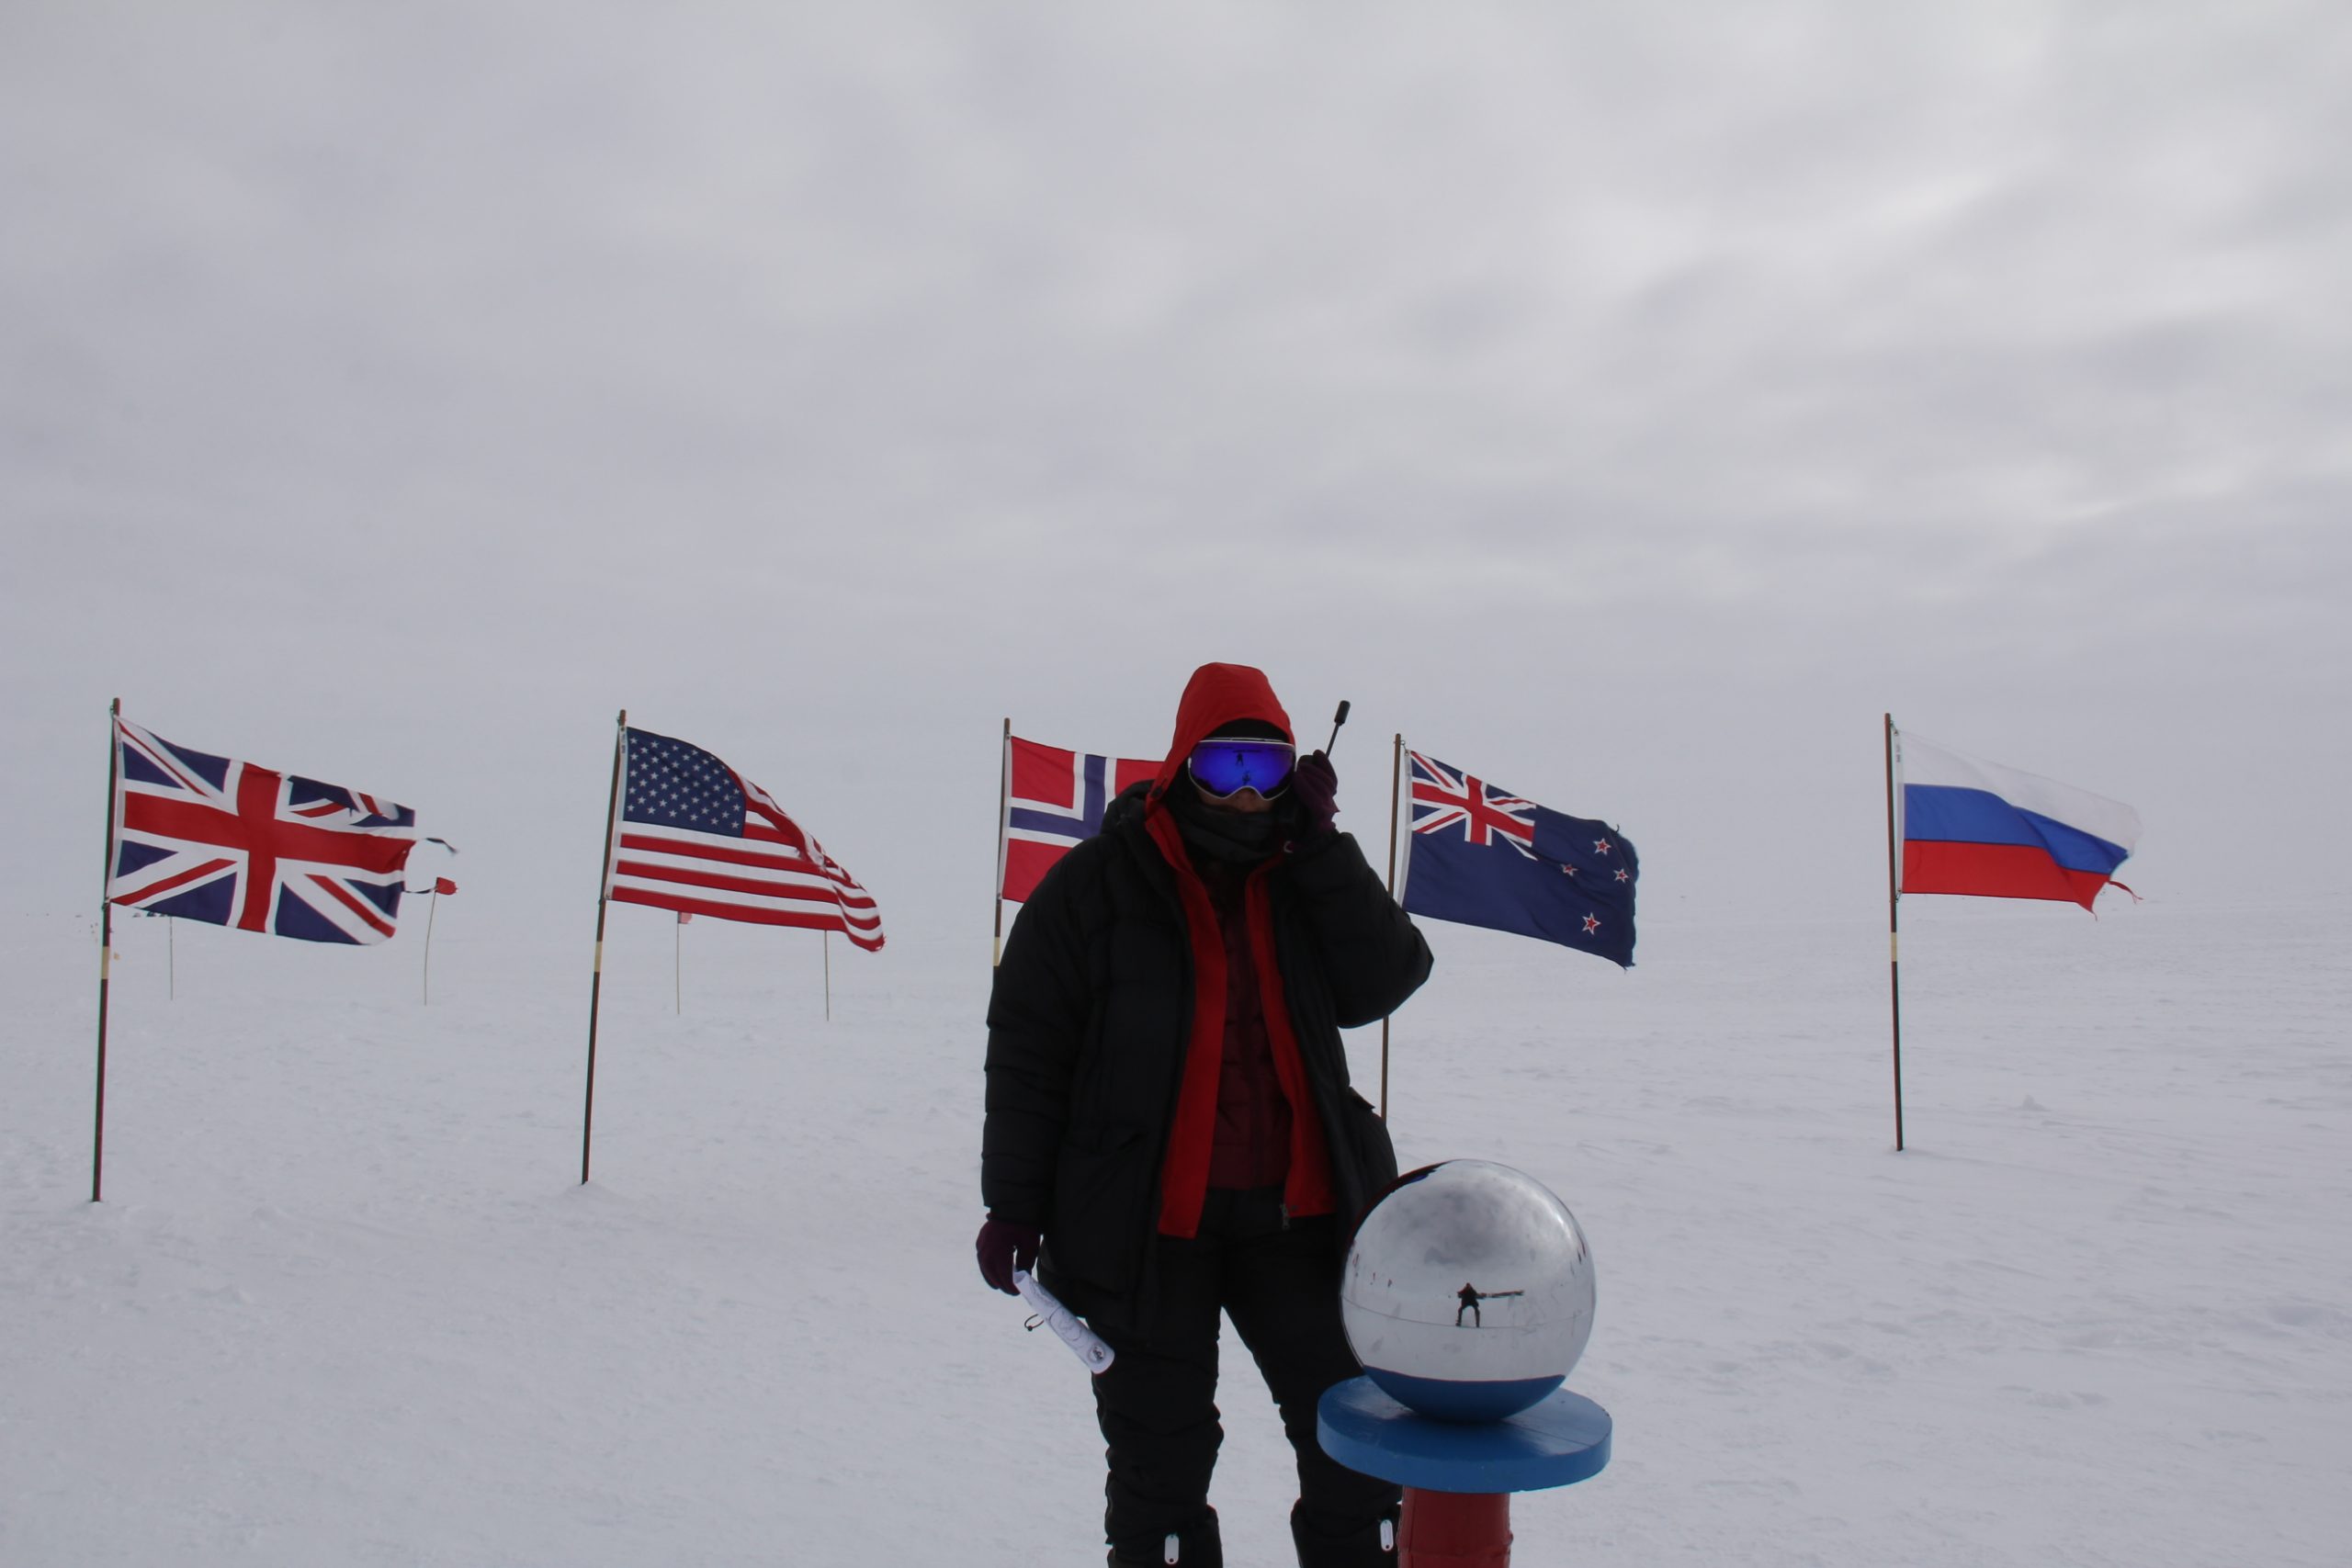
(596, 980)
(1893, 953)
(1395, 773)
(1003, 824)
(106, 940)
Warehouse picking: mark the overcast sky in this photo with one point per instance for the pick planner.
(1629, 403)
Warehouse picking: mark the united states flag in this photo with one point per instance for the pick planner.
(208, 838)
(1053, 799)
(697, 836)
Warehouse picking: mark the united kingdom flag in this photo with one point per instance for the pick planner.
(1483, 856)
(208, 838)
(1053, 799)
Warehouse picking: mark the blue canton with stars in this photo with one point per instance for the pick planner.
(672, 785)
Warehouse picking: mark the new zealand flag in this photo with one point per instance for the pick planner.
(1483, 857)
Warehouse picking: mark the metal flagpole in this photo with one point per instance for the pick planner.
(172, 957)
(432, 907)
(105, 938)
(1894, 968)
(827, 937)
(678, 963)
(1003, 826)
(1395, 772)
(597, 981)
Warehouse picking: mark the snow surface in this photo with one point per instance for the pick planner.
(346, 1302)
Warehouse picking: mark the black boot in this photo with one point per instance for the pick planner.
(1195, 1546)
(1372, 1545)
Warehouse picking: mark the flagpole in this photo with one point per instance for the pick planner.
(827, 938)
(432, 907)
(1395, 772)
(596, 980)
(171, 958)
(1894, 966)
(678, 966)
(106, 940)
(1003, 819)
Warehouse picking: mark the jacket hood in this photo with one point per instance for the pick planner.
(1218, 695)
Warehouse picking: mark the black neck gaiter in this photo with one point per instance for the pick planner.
(1236, 838)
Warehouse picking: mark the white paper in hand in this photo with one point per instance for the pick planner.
(1083, 1342)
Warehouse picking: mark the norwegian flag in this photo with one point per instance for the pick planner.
(697, 836)
(208, 838)
(1482, 856)
(1053, 799)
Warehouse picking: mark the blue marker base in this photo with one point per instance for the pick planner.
(1561, 1439)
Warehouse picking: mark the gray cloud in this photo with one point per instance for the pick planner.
(1643, 400)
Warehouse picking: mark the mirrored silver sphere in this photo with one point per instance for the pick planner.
(1468, 1293)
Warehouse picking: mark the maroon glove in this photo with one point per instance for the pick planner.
(1314, 785)
(1002, 1248)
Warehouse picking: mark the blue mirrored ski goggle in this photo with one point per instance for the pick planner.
(1225, 766)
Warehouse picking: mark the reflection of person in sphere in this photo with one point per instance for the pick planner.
(1470, 1296)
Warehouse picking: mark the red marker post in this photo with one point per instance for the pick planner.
(440, 885)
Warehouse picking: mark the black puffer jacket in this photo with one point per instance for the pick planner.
(1087, 1027)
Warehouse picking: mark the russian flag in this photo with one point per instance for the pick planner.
(1978, 828)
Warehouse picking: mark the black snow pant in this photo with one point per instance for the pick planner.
(1280, 1283)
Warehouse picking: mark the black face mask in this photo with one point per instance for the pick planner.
(1241, 838)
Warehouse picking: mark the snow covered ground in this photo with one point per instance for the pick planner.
(346, 1302)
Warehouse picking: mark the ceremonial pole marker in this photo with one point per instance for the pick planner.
(1467, 1295)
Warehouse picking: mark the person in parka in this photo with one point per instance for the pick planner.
(1170, 1129)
